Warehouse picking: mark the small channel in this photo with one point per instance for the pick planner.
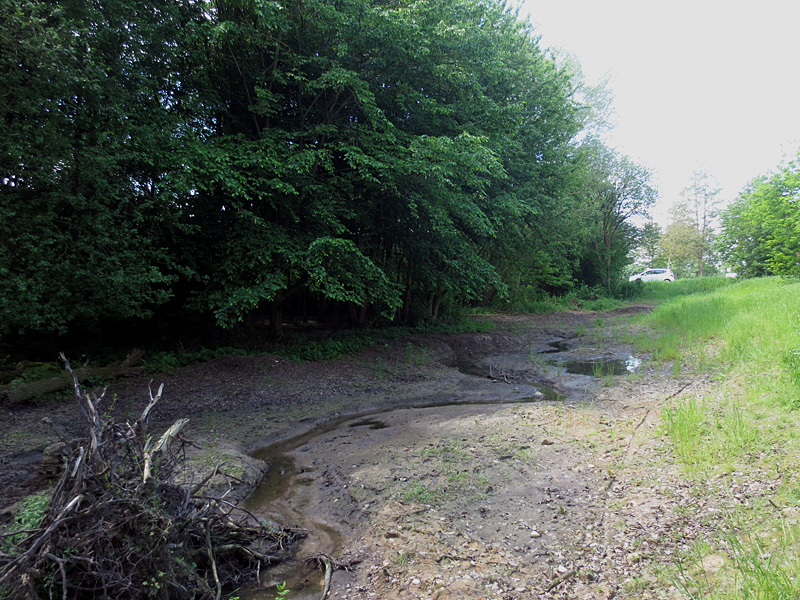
(274, 499)
(279, 496)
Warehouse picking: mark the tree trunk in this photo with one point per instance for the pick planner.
(358, 314)
(436, 303)
(276, 320)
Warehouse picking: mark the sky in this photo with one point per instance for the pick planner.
(700, 84)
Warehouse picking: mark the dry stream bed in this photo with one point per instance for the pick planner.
(520, 463)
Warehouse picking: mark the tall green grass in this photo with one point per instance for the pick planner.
(744, 339)
(660, 290)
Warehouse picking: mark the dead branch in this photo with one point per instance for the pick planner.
(118, 520)
(329, 564)
(328, 575)
(561, 579)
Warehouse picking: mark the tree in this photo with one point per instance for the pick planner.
(701, 198)
(742, 241)
(87, 128)
(233, 157)
(616, 189)
(761, 229)
(682, 244)
(649, 243)
(390, 137)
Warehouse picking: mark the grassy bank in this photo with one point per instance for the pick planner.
(739, 439)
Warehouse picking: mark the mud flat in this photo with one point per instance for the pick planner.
(476, 466)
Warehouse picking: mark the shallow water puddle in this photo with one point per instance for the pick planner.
(602, 367)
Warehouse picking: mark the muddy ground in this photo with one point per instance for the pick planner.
(440, 466)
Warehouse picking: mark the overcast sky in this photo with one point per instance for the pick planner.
(697, 84)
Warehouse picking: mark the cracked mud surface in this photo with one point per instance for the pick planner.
(435, 466)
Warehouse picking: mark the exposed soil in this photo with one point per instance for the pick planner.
(434, 463)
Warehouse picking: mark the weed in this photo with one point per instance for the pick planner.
(161, 362)
(28, 517)
(417, 355)
(608, 379)
(580, 331)
(684, 424)
(283, 591)
(745, 335)
(748, 568)
(402, 559)
(419, 492)
(381, 369)
(343, 343)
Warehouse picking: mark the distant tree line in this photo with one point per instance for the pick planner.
(175, 161)
(755, 235)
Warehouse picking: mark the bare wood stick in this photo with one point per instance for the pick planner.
(328, 574)
(162, 444)
(213, 562)
(60, 564)
(153, 401)
(561, 579)
(207, 478)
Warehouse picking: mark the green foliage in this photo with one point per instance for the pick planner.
(761, 229)
(166, 362)
(339, 270)
(419, 492)
(657, 290)
(396, 161)
(28, 517)
(283, 591)
(84, 142)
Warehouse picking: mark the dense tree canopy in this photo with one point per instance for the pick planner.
(761, 229)
(229, 157)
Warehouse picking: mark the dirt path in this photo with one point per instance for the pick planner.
(481, 493)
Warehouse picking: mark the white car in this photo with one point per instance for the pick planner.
(653, 275)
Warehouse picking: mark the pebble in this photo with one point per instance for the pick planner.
(535, 534)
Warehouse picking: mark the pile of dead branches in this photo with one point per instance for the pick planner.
(120, 526)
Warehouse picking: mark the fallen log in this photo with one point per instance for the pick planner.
(11, 395)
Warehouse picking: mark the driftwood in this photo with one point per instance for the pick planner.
(119, 526)
(11, 395)
(329, 564)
